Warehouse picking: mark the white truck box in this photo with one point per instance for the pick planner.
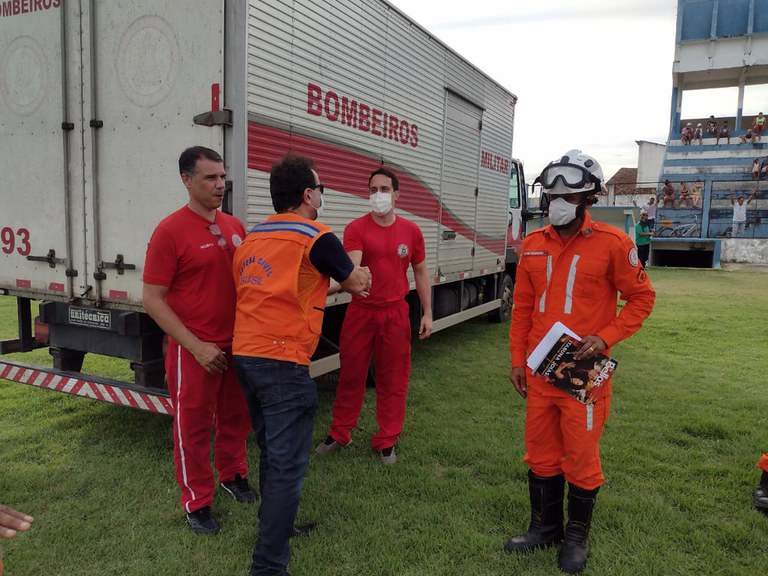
(97, 100)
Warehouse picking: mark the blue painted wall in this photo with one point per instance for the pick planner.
(711, 19)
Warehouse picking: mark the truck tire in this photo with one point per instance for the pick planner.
(504, 312)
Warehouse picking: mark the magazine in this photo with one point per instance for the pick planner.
(553, 360)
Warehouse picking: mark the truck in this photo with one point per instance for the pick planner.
(97, 100)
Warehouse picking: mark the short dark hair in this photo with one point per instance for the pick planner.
(190, 156)
(288, 179)
(389, 174)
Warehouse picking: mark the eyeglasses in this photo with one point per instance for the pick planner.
(571, 175)
(222, 242)
(320, 186)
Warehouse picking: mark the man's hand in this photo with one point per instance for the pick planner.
(517, 377)
(425, 327)
(359, 281)
(210, 357)
(12, 522)
(590, 345)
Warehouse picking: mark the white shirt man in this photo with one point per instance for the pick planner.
(740, 214)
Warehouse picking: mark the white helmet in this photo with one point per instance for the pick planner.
(572, 173)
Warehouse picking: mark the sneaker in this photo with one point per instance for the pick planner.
(329, 445)
(240, 490)
(202, 521)
(388, 455)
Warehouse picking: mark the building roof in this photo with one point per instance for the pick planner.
(624, 183)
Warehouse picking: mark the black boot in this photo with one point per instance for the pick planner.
(546, 528)
(575, 549)
(760, 497)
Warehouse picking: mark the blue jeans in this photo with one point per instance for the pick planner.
(282, 401)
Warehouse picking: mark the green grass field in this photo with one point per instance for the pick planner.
(689, 421)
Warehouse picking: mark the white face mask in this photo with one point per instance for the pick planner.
(381, 202)
(562, 212)
(319, 209)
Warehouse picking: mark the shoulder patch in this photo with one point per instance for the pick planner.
(632, 257)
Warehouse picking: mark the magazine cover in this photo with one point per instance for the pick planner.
(553, 359)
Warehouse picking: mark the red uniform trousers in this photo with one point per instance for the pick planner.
(386, 332)
(562, 435)
(763, 463)
(202, 401)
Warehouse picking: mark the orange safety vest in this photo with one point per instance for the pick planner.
(280, 294)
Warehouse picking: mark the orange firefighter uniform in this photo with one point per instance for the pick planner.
(576, 282)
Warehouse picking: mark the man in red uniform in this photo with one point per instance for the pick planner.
(570, 271)
(760, 497)
(282, 272)
(189, 292)
(380, 324)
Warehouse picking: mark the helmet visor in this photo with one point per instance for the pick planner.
(570, 175)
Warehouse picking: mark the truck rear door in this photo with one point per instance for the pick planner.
(96, 103)
(149, 68)
(35, 197)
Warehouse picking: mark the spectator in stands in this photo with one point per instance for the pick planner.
(687, 134)
(684, 196)
(712, 126)
(668, 194)
(757, 126)
(697, 134)
(696, 191)
(759, 166)
(650, 209)
(747, 137)
(643, 234)
(724, 132)
(740, 213)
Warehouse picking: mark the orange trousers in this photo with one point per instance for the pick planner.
(562, 436)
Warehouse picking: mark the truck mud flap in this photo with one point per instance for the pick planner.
(92, 387)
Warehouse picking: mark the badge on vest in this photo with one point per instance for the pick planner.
(402, 250)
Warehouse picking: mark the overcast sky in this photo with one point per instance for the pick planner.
(591, 74)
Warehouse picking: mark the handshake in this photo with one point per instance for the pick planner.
(358, 282)
(362, 281)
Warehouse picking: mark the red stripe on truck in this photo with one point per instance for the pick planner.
(347, 171)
